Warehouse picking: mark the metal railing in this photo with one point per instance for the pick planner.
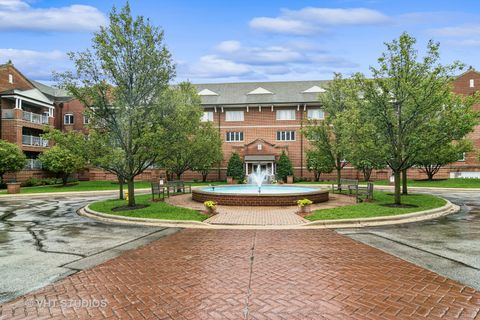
(35, 118)
(34, 141)
(33, 164)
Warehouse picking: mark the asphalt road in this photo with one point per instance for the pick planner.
(449, 246)
(43, 240)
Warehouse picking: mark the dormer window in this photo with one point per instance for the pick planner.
(10, 78)
(472, 83)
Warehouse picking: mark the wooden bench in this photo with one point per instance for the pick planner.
(175, 186)
(365, 193)
(349, 185)
(158, 191)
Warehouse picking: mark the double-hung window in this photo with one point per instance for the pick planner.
(234, 116)
(285, 135)
(288, 114)
(68, 118)
(234, 136)
(315, 114)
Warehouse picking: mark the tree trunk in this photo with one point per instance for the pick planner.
(339, 175)
(367, 172)
(179, 176)
(131, 192)
(204, 176)
(120, 183)
(396, 176)
(65, 179)
(430, 175)
(1, 178)
(316, 175)
(404, 182)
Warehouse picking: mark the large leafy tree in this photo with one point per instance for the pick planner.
(431, 161)
(410, 105)
(319, 162)
(12, 159)
(62, 161)
(121, 80)
(328, 134)
(207, 149)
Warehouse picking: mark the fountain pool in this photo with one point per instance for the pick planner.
(253, 195)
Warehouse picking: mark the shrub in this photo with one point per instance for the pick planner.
(12, 159)
(304, 202)
(284, 167)
(49, 181)
(210, 204)
(33, 182)
(235, 167)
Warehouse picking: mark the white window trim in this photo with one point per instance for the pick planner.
(65, 117)
(85, 119)
(472, 83)
(237, 111)
(281, 110)
(311, 118)
(287, 140)
(464, 158)
(207, 116)
(239, 132)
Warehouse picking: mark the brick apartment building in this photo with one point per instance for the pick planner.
(258, 120)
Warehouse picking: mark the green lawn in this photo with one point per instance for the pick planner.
(375, 208)
(92, 186)
(448, 183)
(155, 210)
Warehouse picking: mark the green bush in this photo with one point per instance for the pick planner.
(32, 182)
(284, 167)
(235, 167)
(49, 181)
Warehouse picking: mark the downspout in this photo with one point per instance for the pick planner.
(220, 133)
(301, 144)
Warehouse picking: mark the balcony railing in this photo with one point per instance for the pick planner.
(8, 114)
(35, 118)
(33, 164)
(34, 141)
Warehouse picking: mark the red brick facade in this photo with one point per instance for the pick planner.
(259, 131)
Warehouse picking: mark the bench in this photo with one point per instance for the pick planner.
(345, 184)
(365, 193)
(158, 191)
(178, 186)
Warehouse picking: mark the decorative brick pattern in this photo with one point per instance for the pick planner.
(232, 274)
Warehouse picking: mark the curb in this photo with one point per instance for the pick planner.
(447, 209)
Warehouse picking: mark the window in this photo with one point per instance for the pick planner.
(286, 114)
(315, 114)
(286, 135)
(462, 157)
(68, 119)
(233, 136)
(10, 78)
(472, 83)
(85, 119)
(207, 116)
(234, 116)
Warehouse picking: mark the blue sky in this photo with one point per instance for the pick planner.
(218, 41)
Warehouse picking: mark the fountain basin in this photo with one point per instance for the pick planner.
(247, 195)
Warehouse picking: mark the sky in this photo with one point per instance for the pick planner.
(232, 41)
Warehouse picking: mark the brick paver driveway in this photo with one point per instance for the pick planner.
(230, 274)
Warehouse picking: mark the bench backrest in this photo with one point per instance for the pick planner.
(349, 181)
(155, 187)
(175, 183)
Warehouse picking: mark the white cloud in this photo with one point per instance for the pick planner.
(212, 66)
(259, 55)
(457, 31)
(35, 64)
(311, 20)
(282, 25)
(19, 15)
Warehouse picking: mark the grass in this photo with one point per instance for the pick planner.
(92, 186)
(448, 183)
(155, 210)
(375, 208)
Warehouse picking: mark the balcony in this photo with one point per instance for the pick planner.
(8, 114)
(34, 141)
(35, 118)
(33, 164)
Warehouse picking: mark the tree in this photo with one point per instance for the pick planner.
(235, 167)
(62, 162)
(319, 162)
(207, 150)
(284, 167)
(182, 120)
(432, 161)
(12, 159)
(409, 103)
(335, 101)
(362, 149)
(121, 80)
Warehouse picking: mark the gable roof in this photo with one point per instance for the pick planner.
(260, 90)
(52, 92)
(287, 92)
(31, 94)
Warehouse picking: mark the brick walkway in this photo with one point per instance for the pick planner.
(233, 215)
(230, 274)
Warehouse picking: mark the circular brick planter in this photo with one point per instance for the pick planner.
(231, 199)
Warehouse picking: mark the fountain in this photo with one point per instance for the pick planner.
(257, 193)
(257, 177)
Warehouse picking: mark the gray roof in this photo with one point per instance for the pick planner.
(54, 93)
(283, 92)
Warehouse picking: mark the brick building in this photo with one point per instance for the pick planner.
(258, 120)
